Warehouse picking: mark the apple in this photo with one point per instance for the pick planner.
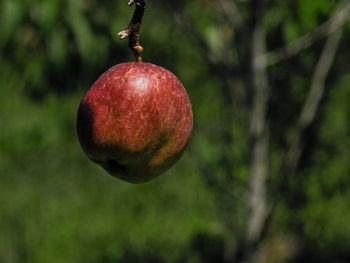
(135, 121)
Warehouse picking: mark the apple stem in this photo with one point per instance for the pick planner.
(132, 31)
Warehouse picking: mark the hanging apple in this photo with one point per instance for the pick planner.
(136, 119)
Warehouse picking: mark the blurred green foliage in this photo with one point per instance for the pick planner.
(57, 206)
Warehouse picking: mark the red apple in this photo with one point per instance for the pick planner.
(135, 121)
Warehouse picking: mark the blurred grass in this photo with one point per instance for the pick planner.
(61, 207)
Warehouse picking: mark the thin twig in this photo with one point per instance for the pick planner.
(308, 114)
(314, 97)
(313, 100)
(132, 31)
(331, 25)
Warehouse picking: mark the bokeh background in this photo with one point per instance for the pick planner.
(266, 176)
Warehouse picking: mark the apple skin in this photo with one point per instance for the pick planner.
(135, 121)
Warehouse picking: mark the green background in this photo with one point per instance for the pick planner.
(57, 206)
